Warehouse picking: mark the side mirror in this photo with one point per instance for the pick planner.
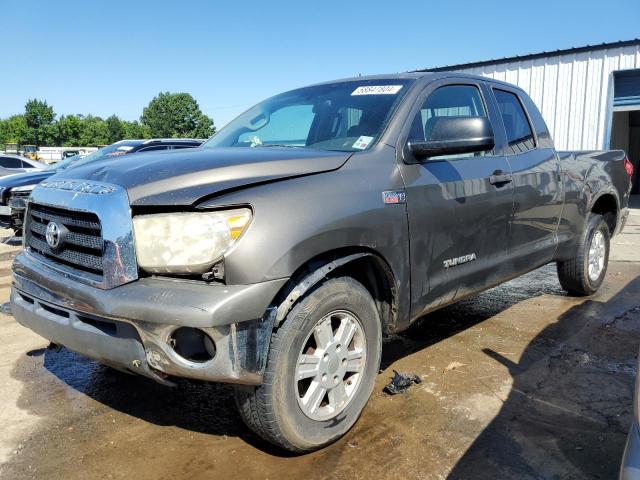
(452, 135)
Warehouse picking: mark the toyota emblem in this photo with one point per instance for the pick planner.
(52, 235)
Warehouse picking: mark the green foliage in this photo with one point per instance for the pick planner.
(14, 130)
(39, 116)
(94, 131)
(66, 132)
(176, 115)
(167, 115)
(115, 130)
(135, 130)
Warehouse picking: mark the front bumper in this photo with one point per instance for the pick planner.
(129, 327)
(630, 469)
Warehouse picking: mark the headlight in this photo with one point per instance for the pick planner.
(186, 242)
(24, 188)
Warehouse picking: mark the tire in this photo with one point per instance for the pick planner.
(275, 410)
(576, 275)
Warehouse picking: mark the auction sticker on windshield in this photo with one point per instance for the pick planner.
(362, 142)
(377, 90)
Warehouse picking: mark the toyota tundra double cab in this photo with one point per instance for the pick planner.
(277, 255)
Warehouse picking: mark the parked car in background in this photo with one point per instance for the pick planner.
(70, 153)
(20, 164)
(15, 190)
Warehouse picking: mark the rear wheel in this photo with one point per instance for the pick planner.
(584, 273)
(320, 371)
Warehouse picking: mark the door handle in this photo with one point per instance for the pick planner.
(500, 180)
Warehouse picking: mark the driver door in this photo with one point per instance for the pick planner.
(458, 214)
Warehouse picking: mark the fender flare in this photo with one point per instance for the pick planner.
(310, 280)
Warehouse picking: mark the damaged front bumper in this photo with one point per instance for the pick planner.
(130, 327)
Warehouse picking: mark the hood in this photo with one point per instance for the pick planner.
(183, 177)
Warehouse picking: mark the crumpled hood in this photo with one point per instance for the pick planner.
(183, 177)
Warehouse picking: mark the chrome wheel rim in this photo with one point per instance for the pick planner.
(597, 252)
(330, 365)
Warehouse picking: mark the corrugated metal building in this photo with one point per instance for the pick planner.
(589, 96)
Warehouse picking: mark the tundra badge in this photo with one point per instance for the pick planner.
(452, 262)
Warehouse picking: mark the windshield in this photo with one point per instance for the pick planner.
(347, 116)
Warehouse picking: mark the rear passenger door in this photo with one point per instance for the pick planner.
(538, 188)
(455, 205)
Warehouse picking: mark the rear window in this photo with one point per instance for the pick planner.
(516, 124)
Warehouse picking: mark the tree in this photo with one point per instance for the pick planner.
(204, 128)
(38, 116)
(94, 131)
(176, 115)
(115, 130)
(67, 131)
(14, 130)
(167, 115)
(135, 130)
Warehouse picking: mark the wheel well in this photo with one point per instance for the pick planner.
(366, 267)
(373, 272)
(607, 207)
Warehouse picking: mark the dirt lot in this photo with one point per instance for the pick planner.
(519, 382)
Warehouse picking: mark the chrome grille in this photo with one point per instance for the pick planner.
(83, 243)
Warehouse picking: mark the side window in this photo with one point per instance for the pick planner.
(180, 147)
(10, 162)
(448, 101)
(519, 134)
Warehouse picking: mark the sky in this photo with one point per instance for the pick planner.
(112, 56)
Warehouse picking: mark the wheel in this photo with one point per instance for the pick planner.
(320, 370)
(584, 273)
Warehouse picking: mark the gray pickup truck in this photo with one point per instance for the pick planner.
(279, 254)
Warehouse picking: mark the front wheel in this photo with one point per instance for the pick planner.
(584, 273)
(320, 371)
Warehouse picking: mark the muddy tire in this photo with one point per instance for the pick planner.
(321, 369)
(584, 273)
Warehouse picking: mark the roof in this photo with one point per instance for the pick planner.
(533, 56)
(383, 76)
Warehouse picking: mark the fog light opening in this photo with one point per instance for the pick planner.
(192, 344)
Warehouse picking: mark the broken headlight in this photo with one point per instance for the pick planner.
(186, 243)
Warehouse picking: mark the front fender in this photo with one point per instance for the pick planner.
(299, 219)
